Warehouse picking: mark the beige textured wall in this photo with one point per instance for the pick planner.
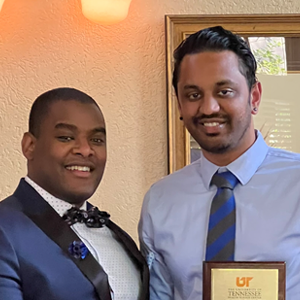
(46, 44)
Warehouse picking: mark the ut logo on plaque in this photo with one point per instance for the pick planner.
(243, 281)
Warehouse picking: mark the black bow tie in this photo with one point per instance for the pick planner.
(92, 218)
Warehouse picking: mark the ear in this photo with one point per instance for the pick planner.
(28, 145)
(255, 97)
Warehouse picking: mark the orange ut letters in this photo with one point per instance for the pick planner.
(243, 281)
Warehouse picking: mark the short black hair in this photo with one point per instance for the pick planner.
(42, 104)
(216, 39)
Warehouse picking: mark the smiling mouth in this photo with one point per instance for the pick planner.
(212, 124)
(79, 168)
(212, 128)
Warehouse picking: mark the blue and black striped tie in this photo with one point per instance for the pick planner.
(221, 229)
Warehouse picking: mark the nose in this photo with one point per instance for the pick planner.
(209, 105)
(83, 147)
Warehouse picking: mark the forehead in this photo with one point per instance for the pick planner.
(208, 66)
(84, 116)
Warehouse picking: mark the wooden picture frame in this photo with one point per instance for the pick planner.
(178, 27)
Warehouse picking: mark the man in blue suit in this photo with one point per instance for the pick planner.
(51, 246)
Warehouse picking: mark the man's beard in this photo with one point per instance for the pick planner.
(227, 142)
(217, 149)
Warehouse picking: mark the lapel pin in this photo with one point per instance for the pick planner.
(78, 250)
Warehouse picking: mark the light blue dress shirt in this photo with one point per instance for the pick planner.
(175, 215)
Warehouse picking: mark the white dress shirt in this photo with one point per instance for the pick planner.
(124, 277)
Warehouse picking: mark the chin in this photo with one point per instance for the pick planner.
(78, 196)
(215, 148)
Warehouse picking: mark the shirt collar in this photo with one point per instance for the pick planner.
(60, 206)
(244, 167)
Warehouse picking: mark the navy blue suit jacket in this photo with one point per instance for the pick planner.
(32, 265)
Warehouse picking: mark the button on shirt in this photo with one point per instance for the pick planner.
(124, 277)
(175, 216)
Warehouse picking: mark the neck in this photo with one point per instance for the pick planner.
(73, 202)
(78, 205)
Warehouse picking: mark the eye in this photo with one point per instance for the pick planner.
(65, 138)
(225, 93)
(194, 96)
(98, 141)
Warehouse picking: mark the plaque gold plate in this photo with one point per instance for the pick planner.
(244, 281)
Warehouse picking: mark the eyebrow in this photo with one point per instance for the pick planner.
(74, 128)
(191, 86)
(100, 130)
(219, 83)
(225, 82)
(65, 126)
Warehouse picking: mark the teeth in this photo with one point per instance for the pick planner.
(79, 168)
(211, 124)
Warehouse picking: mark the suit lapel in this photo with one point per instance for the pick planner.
(133, 251)
(46, 218)
(136, 254)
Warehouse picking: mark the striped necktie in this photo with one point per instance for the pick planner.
(221, 229)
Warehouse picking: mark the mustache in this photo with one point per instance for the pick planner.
(199, 119)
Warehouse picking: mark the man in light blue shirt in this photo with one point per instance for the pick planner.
(217, 91)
